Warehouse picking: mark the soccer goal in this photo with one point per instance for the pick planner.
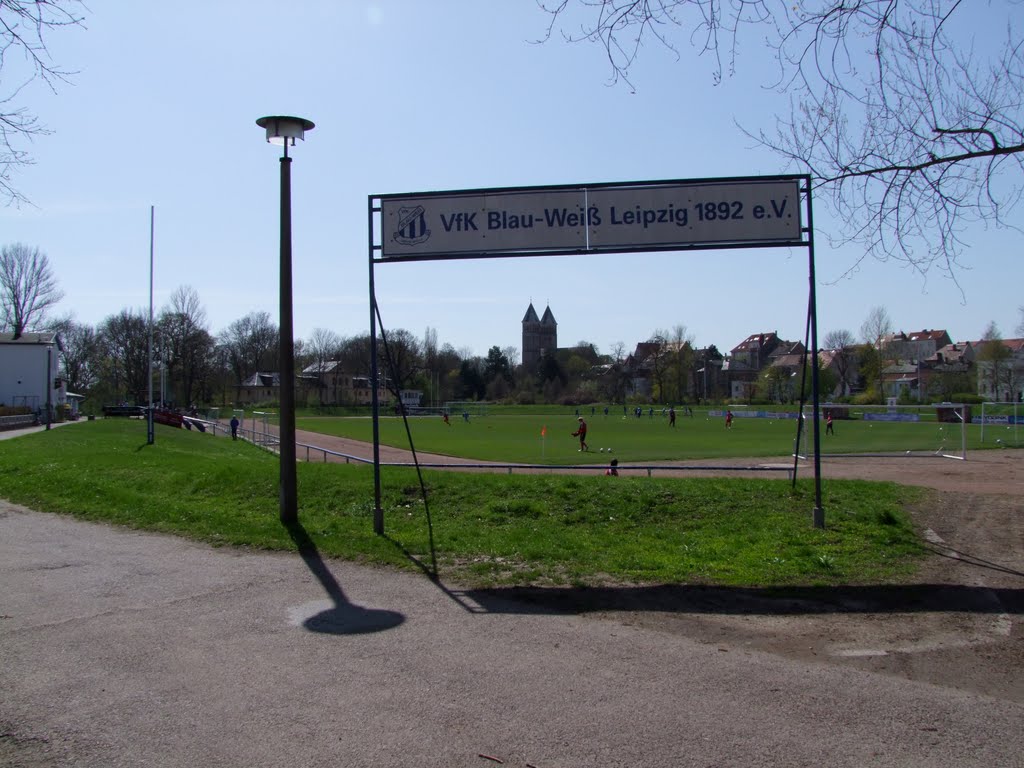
(939, 429)
(472, 407)
(1000, 423)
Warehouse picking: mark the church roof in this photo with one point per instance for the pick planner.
(548, 319)
(531, 315)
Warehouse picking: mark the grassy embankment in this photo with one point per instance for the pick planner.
(487, 529)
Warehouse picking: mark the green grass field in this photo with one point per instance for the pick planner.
(516, 438)
(479, 528)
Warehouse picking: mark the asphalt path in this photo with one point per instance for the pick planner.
(120, 648)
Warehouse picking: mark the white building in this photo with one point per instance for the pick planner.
(29, 378)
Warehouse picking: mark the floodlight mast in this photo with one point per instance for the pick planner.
(281, 130)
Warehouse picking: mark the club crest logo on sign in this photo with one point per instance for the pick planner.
(412, 226)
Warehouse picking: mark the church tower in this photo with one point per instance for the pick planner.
(540, 334)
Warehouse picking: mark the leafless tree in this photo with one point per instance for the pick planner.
(403, 358)
(252, 345)
(79, 350)
(872, 358)
(681, 341)
(323, 347)
(994, 361)
(1020, 325)
(512, 353)
(355, 355)
(840, 343)
(185, 343)
(124, 339)
(28, 288)
(25, 58)
(659, 359)
(876, 325)
(908, 114)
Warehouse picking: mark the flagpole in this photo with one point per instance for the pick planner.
(150, 431)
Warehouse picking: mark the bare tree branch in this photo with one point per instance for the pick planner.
(912, 123)
(25, 58)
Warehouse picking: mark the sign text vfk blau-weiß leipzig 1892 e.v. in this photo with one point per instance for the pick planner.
(683, 215)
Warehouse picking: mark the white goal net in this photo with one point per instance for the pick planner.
(939, 429)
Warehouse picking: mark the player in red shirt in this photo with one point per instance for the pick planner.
(581, 433)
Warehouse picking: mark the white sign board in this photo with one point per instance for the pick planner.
(608, 218)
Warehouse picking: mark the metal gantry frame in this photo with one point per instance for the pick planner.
(375, 250)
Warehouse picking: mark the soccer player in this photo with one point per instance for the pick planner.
(728, 419)
(581, 433)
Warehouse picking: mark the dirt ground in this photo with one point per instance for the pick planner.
(958, 624)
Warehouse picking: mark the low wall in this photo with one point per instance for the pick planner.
(17, 422)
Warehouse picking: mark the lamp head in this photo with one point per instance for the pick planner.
(282, 128)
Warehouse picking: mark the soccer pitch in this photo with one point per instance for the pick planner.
(546, 438)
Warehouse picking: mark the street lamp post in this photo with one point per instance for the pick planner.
(284, 130)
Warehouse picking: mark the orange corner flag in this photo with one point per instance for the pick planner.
(544, 431)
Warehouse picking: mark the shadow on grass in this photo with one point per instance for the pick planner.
(757, 601)
(763, 601)
(430, 571)
(344, 618)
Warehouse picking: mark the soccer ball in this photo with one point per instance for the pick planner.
(601, 450)
(609, 450)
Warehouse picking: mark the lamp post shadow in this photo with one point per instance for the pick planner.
(343, 618)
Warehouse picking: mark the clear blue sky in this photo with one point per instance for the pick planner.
(411, 96)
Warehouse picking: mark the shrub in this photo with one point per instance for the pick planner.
(968, 398)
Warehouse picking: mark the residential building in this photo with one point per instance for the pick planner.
(902, 379)
(845, 364)
(29, 367)
(330, 384)
(948, 371)
(782, 374)
(915, 345)
(752, 356)
(1001, 380)
(259, 388)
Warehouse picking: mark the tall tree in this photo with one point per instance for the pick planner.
(28, 288)
(993, 364)
(840, 343)
(355, 355)
(659, 360)
(79, 350)
(252, 345)
(471, 379)
(186, 344)
(24, 25)
(681, 362)
(873, 359)
(124, 340)
(323, 347)
(875, 326)
(909, 114)
(405, 358)
(497, 366)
